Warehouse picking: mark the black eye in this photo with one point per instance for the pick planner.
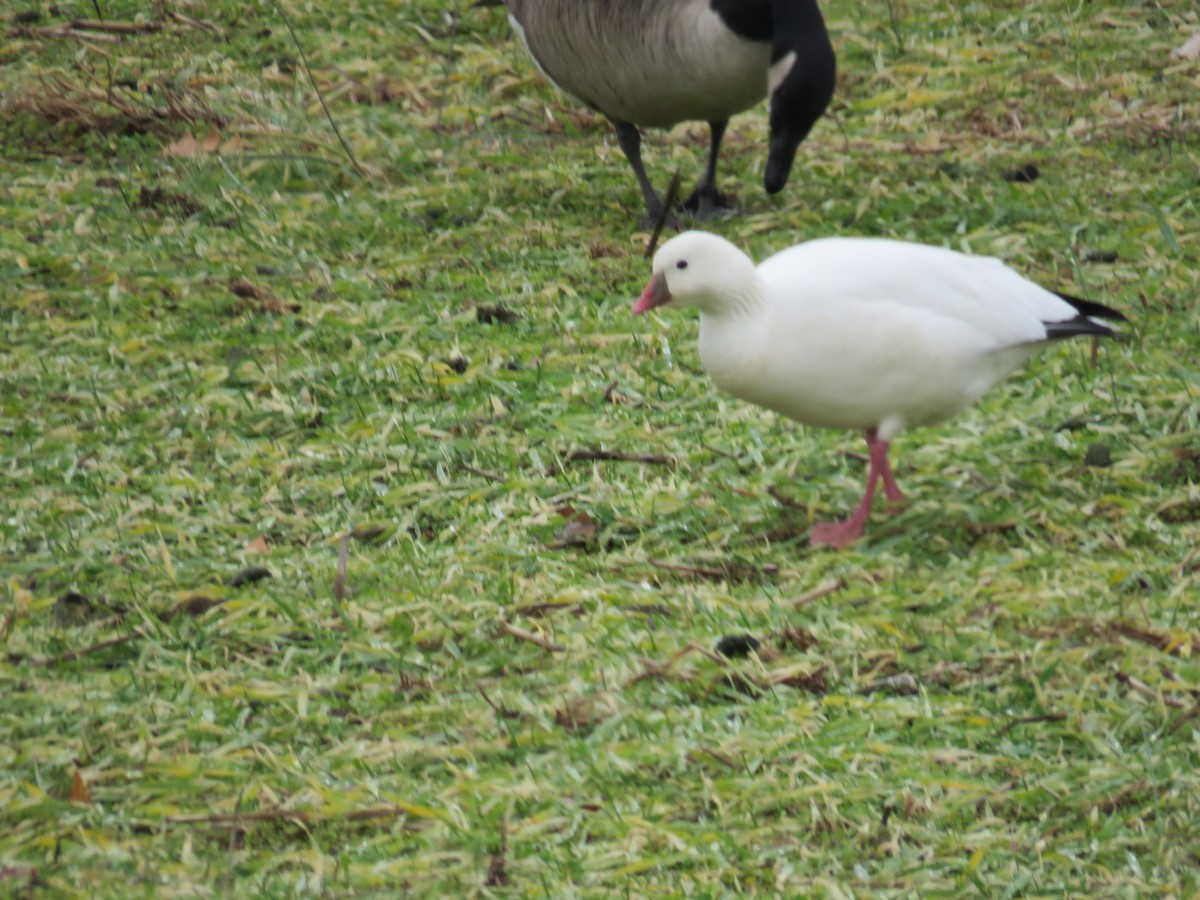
(682, 264)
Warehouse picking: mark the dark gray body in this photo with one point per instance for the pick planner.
(655, 63)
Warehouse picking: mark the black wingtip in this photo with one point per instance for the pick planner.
(1092, 310)
(1080, 325)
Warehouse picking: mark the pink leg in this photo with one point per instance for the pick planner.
(890, 488)
(841, 534)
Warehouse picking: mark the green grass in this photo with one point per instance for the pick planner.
(1000, 699)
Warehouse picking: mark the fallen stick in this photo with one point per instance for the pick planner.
(294, 815)
(114, 27)
(66, 31)
(821, 590)
(47, 661)
(1140, 687)
(617, 456)
(724, 573)
(528, 636)
(784, 500)
(195, 23)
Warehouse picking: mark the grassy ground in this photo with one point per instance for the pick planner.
(227, 343)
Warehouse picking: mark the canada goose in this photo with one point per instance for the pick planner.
(864, 333)
(655, 63)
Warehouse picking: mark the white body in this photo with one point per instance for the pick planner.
(859, 333)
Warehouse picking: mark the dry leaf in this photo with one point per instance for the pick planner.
(580, 530)
(80, 793)
(258, 545)
(187, 147)
(1190, 48)
(267, 301)
(212, 141)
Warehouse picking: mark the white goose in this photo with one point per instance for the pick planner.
(864, 333)
(655, 63)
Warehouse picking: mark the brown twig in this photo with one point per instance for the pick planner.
(723, 573)
(47, 661)
(113, 27)
(784, 500)
(536, 639)
(821, 590)
(68, 31)
(1162, 642)
(721, 758)
(717, 450)
(1173, 676)
(195, 23)
(1138, 686)
(481, 473)
(498, 708)
(1184, 718)
(653, 669)
(592, 455)
(292, 815)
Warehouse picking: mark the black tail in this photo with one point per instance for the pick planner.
(1084, 323)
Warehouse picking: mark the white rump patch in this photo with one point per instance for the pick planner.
(778, 72)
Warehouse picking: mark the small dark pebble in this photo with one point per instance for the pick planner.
(248, 575)
(1023, 174)
(457, 364)
(1098, 455)
(1074, 423)
(72, 608)
(486, 315)
(1092, 255)
(269, 271)
(736, 645)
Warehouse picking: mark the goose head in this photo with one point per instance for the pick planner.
(700, 270)
(800, 83)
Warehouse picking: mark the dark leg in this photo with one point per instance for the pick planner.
(630, 140)
(706, 199)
